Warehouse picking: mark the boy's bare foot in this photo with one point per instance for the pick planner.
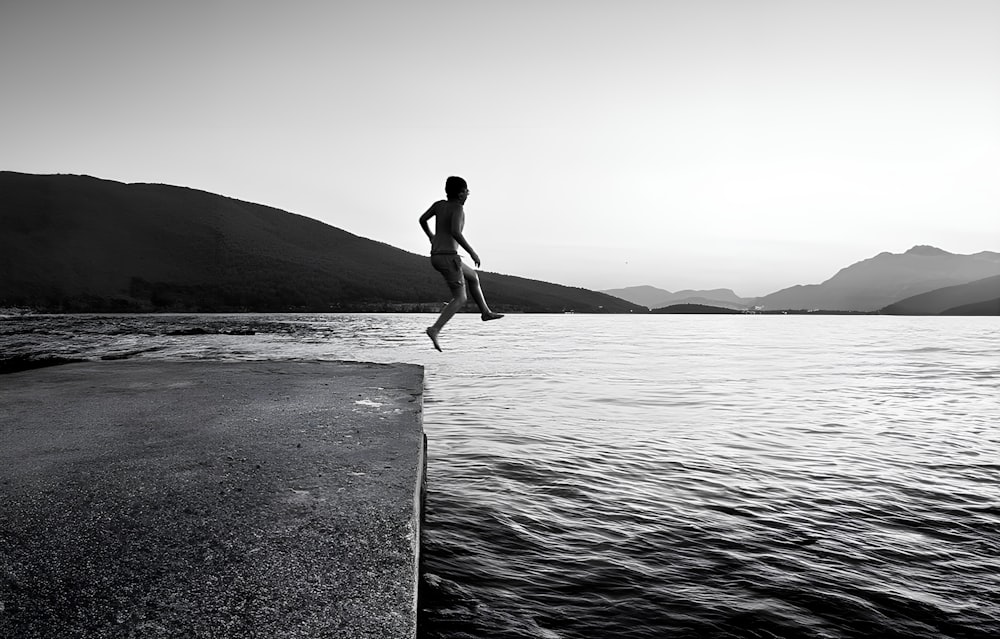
(433, 334)
(491, 316)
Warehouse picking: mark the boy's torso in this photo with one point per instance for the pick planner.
(444, 214)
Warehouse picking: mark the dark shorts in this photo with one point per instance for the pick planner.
(449, 265)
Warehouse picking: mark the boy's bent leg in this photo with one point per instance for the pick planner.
(476, 290)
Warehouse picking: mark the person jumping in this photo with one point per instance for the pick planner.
(449, 222)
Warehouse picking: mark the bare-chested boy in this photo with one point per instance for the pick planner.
(444, 255)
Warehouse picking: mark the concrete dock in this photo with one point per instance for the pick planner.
(157, 499)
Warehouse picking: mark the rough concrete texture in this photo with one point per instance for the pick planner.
(210, 499)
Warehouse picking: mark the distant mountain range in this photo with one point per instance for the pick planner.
(885, 279)
(652, 297)
(923, 280)
(78, 243)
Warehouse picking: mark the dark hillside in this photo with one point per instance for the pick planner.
(78, 243)
(989, 307)
(695, 309)
(941, 300)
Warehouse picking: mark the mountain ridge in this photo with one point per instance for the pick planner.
(866, 286)
(653, 297)
(876, 282)
(961, 299)
(81, 243)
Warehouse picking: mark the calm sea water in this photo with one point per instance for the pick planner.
(668, 476)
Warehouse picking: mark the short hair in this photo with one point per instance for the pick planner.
(454, 185)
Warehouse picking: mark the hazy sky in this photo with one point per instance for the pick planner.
(746, 144)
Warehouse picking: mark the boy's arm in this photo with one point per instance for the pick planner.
(457, 222)
(423, 222)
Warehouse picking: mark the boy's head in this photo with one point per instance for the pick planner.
(454, 186)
